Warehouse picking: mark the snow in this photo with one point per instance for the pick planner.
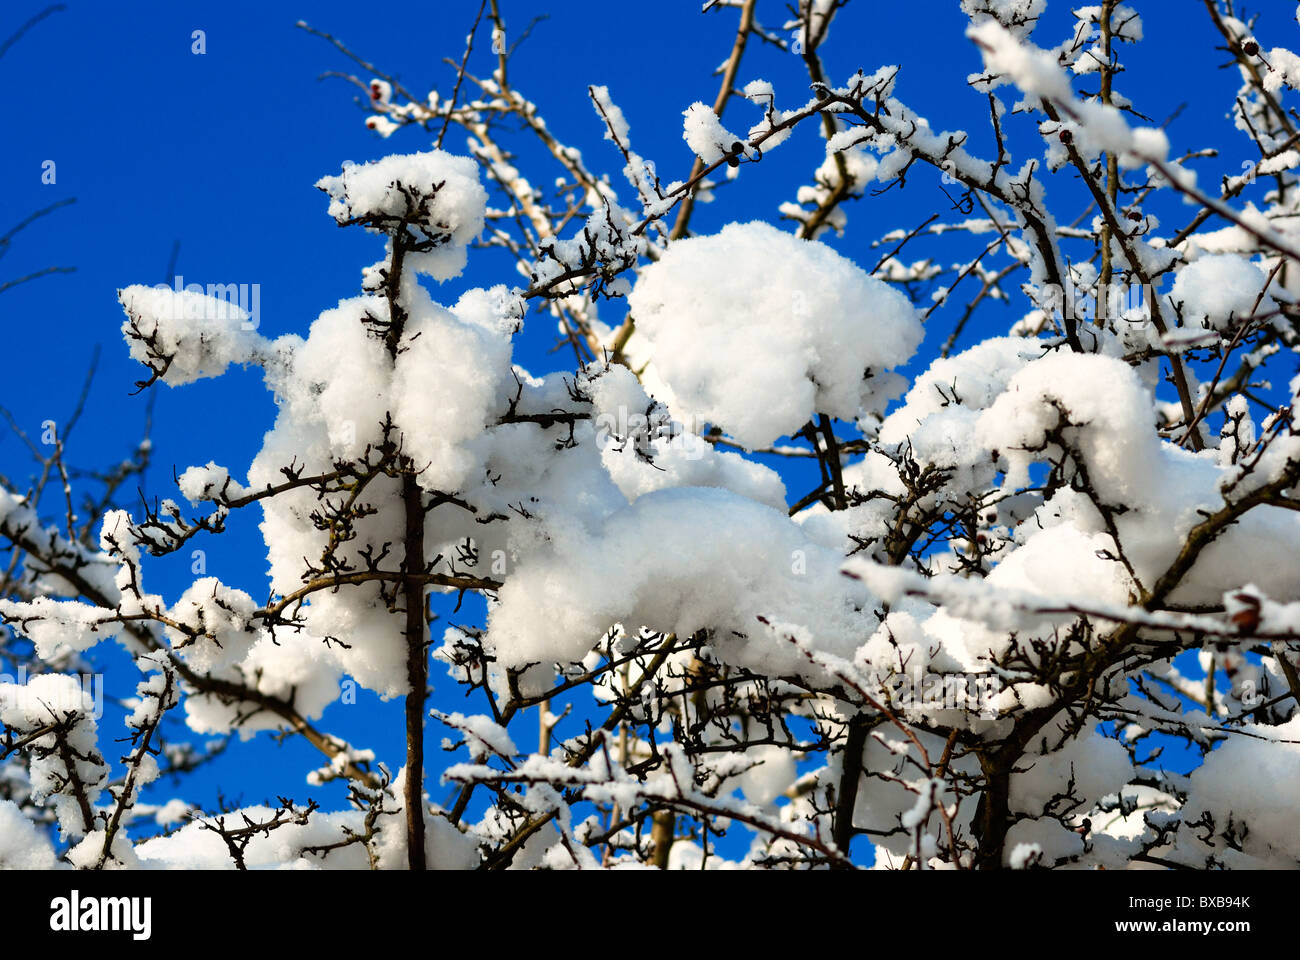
(1019, 16)
(617, 128)
(938, 416)
(481, 734)
(755, 330)
(212, 482)
(1102, 405)
(59, 627)
(224, 617)
(172, 812)
(1095, 126)
(1034, 71)
(446, 386)
(22, 846)
(294, 666)
(772, 772)
(450, 209)
(708, 138)
(1217, 290)
(643, 449)
(678, 561)
(1264, 818)
(44, 701)
(1093, 764)
(197, 846)
(186, 335)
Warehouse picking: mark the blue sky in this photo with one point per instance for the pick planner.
(219, 152)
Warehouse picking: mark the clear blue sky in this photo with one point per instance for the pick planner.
(220, 151)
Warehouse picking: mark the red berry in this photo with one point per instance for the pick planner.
(1066, 136)
(1247, 618)
(1250, 48)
